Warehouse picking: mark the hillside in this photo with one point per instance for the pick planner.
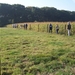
(18, 13)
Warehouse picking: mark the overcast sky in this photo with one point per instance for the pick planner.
(59, 4)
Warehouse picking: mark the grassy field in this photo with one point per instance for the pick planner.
(28, 52)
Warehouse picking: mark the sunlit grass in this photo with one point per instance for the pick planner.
(28, 52)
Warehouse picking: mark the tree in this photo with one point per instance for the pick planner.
(19, 13)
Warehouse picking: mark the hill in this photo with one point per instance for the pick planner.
(18, 13)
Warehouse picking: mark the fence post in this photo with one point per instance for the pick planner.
(38, 27)
(72, 29)
(30, 27)
(47, 27)
(62, 30)
(65, 29)
(54, 28)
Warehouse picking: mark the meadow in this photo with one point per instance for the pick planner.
(37, 52)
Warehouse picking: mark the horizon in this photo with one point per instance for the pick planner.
(68, 5)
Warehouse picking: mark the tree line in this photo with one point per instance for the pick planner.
(18, 13)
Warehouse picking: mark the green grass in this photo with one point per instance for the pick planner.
(27, 52)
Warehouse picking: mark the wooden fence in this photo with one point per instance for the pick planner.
(44, 27)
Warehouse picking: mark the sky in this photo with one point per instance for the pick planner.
(68, 5)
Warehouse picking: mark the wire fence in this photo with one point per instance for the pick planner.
(44, 27)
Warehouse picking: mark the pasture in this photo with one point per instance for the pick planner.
(37, 52)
